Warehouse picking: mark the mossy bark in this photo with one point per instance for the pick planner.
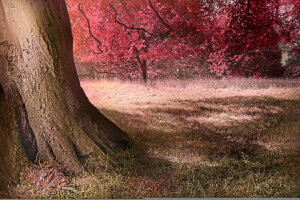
(40, 90)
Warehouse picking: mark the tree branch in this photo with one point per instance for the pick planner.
(136, 7)
(257, 20)
(159, 17)
(137, 57)
(99, 72)
(91, 34)
(248, 7)
(132, 27)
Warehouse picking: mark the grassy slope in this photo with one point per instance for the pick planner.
(200, 138)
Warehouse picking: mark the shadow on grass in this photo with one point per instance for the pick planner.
(215, 141)
(214, 127)
(217, 147)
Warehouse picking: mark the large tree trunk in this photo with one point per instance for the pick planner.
(41, 101)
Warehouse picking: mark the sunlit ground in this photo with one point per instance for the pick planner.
(182, 112)
(196, 138)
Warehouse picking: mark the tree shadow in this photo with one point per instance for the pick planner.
(203, 132)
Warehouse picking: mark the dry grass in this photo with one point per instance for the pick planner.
(196, 138)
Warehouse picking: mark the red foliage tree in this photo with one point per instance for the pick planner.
(119, 31)
(290, 11)
(249, 44)
(242, 37)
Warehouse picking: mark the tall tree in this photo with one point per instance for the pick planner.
(41, 102)
(249, 44)
(290, 11)
(140, 30)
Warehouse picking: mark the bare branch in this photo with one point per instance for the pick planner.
(254, 18)
(137, 57)
(132, 27)
(96, 52)
(248, 7)
(77, 24)
(99, 72)
(136, 6)
(91, 34)
(159, 17)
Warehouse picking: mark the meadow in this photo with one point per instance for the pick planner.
(193, 138)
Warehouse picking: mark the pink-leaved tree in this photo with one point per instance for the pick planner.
(252, 33)
(140, 30)
(242, 38)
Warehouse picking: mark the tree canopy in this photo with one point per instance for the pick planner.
(231, 33)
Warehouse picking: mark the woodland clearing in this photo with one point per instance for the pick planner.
(193, 138)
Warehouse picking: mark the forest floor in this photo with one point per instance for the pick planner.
(195, 138)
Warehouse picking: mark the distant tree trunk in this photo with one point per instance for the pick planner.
(142, 65)
(143, 68)
(42, 104)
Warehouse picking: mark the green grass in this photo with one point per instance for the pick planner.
(228, 138)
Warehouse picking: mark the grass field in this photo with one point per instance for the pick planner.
(196, 138)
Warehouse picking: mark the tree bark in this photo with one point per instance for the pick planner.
(143, 68)
(142, 65)
(41, 101)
